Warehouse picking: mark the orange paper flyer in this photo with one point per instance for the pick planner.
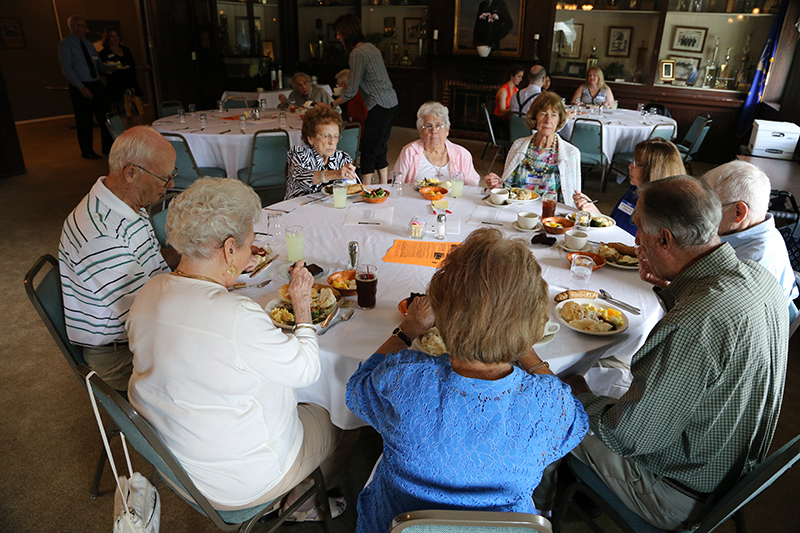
(423, 253)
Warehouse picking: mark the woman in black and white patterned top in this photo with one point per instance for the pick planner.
(318, 161)
(368, 74)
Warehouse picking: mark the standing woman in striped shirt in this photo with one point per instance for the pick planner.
(368, 74)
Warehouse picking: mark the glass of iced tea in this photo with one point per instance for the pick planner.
(549, 201)
(366, 285)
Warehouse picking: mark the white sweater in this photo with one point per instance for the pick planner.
(216, 380)
(569, 165)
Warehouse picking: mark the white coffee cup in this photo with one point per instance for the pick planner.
(551, 328)
(575, 239)
(527, 220)
(499, 196)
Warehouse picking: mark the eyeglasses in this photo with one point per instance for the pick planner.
(159, 178)
(433, 127)
(328, 137)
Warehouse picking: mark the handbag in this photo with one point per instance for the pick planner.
(782, 206)
(137, 505)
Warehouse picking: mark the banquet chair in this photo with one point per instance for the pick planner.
(188, 171)
(518, 127)
(587, 136)
(149, 446)
(170, 107)
(157, 213)
(115, 125)
(451, 521)
(500, 145)
(624, 159)
(266, 168)
(46, 299)
(235, 102)
(688, 155)
(349, 139)
(728, 505)
(694, 130)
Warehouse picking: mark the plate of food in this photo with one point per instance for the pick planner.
(284, 269)
(430, 342)
(352, 190)
(619, 255)
(590, 316)
(426, 182)
(598, 259)
(344, 281)
(256, 271)
(375, 196)
(521, 196)
(597, 221)
(323, 304)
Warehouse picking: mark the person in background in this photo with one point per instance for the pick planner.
(746, 225)
(316, 162)
(368, 75)
(543, 162)
(356, 109)
(537, 78)
(502, 102)
(468, 429)
(594, 90)
(653, 159)
(82, 67)
(108, 250)
(303, 91)
(123, 80)
(433, 156)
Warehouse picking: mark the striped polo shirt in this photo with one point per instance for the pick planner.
(107, 253)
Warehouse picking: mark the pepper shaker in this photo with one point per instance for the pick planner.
(353, 249)
(441, 227)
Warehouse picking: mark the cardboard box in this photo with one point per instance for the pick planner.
(776, 140)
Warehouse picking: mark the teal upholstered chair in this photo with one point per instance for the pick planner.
(188, 171)
(501, 146)
(518, 127)
(587, 136)
(268, 158)
(349, 140)
(115, 125)
(170, 107)
(450, 521)
(157, 213)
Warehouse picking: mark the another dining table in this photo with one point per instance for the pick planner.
(327, 231)
(223, 143)
(271, 98)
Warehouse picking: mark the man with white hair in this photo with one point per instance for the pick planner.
(746, 225)
(108, 250)
(521, 102)
(303, 91)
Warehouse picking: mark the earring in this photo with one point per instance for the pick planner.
(232, 271)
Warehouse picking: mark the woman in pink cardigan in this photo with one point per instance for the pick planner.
(433, 156)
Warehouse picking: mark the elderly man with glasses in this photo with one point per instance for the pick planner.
(108, 250)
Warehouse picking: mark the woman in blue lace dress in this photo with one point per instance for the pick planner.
(468, 429)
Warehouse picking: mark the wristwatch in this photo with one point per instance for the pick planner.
(401, 335)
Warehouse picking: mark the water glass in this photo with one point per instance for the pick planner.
(580, 272)
(263, 103)
(457, 185)
(182, 116)
(220, 106)
(294, 243)
(243, 123)
(639, 107)
(203, 121)
(192, 109)
(282, 118)
(397, 184)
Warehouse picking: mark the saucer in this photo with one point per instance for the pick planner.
(587, 248)
(517, 227)
(508, 203)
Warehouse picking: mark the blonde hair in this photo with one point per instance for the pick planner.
(546, 101)
(601, 79)
(660, 159)
(489, 298)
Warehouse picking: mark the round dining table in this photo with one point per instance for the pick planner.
(327, 231)
(222, 143)
(271, 98)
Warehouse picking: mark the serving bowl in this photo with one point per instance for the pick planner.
(565, 223)
(433, 193)
(344, 275)
(598, 259)
(375, 200)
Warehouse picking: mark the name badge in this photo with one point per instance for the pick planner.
(626, 207)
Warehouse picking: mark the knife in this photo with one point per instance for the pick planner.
(264, 265)
(226, 131)
(314, 200)
(491, 223)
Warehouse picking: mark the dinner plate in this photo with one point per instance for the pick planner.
(329, 191)
(503, 206)
(517, 227)
(563, 246)
(260, 276)
(535, 197)
(571, 216)
(599, 304)
(282, 267)
(272, 304)
(609, 262)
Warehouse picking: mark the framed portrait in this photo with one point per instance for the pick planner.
(570, 40)
(575, 69)
(684, 66)
(666, 70)
(411, 29)
(495, 23)
(11, 33)
(689, 39)
(619, 41)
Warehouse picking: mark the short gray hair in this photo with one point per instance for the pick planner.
(741, 181)
(343, 75)
(432, 108)
(210, 211)
(299, 75)
(136, 146)
(687, 207)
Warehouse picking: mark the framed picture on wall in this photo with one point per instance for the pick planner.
(389, 27)
(575, 69)
(11, 33)
(685, 66)
(689, 39)
(666, 70)
(411, 29)
(619, 41)
(571, 39)
(494, 23)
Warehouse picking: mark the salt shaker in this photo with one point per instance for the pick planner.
(441, 227)
(353, 249)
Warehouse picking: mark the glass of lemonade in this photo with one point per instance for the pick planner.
(457, 185)
(340, 195)
(294, 243)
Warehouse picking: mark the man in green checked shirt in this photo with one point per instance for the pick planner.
(707, 383)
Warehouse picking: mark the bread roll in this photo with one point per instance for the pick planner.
(569, 295)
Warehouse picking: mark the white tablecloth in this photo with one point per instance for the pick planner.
(230, 151)
(349, 343)
(622, 129)
(270, 96)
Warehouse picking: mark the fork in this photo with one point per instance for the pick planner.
(345, 317)
(279, 210)
(605, 296)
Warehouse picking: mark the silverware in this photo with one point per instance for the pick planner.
(605, 296)
(314, 200)
(371, 223)
(343, 318)
(264, 265)
(279, 210)
(257, 286)
(327, 320)
(491, 223)
(224, 132)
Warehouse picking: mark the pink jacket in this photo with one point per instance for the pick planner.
(460, 161)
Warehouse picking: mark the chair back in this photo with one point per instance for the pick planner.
(489, 127)
(115, 125)
(48, 302)
(157, 213)
(663, 131)
(695, 146)
(235, 102)
(268, 159)
(349, 139)
(661, 109)
(188, 172)
(694, 131)
(518, 127)
(170, 107)
(587, 136)
(450, 521)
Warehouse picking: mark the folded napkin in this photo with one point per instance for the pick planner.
(369, 216)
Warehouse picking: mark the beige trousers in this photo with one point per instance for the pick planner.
(113, 363)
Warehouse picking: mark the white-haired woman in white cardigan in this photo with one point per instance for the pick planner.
(543, 162)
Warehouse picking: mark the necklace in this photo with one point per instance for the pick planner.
(442, 159)
(193, 276)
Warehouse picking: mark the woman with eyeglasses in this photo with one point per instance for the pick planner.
(433, 156)
(314, 164)
(653, 160)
